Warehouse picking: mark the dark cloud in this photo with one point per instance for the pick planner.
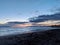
(16, 22)
(13, 23)
(42, 18)
(9, 24)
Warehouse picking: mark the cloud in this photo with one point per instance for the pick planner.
(10, 24)
(16, 22)
(42, 18)
(56, 9)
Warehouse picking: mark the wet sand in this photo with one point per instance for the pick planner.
(48, 37)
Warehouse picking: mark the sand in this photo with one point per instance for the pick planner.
(48, 37)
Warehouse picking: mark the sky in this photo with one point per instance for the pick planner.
(21, 10)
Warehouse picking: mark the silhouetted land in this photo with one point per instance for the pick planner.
(50, 37)
(55, 26)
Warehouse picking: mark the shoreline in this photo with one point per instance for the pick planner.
(35, 38)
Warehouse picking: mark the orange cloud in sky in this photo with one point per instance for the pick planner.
(49, 23)
(22, 25)
(46, 23)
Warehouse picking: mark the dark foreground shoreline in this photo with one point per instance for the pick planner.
(49, 37)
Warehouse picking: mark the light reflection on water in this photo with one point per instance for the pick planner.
(9, 31)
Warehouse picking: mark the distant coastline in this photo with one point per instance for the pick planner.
(55, 25)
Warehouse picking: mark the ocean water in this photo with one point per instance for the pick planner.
(4, 31)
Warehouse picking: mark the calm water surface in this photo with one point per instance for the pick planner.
(12, 31)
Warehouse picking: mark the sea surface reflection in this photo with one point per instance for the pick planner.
(12, 31)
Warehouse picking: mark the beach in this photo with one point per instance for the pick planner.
(48, 37)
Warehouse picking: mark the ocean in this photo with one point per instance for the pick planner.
(4, 31)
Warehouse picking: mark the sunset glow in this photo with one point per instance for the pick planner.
(46, 23)
(2, 22)
(22, 25)
(49, 23)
